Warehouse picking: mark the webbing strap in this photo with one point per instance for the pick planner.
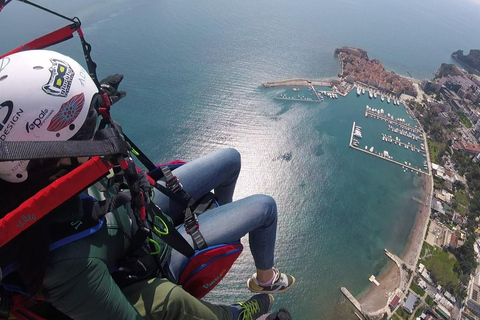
(51, 197)
(191, 224)
(47, 40)
(21, 150)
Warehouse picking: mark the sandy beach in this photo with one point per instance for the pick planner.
(375, 301)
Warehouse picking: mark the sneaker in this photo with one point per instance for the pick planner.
(254, 307)
(282, 314)
(282, 283)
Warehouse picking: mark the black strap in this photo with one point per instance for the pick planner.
(173, 237)
(191, 224)
(140, 155)
(193, 229)
(21, 150)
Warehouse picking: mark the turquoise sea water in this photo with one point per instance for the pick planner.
(193, 72)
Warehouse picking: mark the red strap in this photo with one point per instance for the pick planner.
(51, 197)
(47, 40)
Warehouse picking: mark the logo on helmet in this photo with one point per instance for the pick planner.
(67, 113)
(39, 120)
(61, 77)
(9, 120)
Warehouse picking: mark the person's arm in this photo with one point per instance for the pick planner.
(84, 289)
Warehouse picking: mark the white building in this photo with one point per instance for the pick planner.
(473, 298)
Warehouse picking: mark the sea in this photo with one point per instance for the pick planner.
(193, 72)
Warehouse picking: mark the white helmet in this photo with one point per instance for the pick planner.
(44, 96)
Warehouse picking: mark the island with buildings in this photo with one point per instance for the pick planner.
(438, 276)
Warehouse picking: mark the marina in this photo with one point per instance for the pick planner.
(379, 114)
(398, 142)
(318, 94)
(383, 155)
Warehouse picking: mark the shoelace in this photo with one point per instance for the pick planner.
(249, 310)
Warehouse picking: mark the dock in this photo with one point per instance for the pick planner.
(298, 82)
(373, 280)
(352, 299)
(377, 115)
(298, 99)
(419, 201)
(319, 96)
(383, 157)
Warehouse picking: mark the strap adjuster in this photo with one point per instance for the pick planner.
(191, 224)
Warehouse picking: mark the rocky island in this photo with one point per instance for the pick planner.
(471, 60)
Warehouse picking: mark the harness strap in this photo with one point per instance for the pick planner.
(21, 150)
(47, 40)
(191, 221)
(51, 197)
(171, 236)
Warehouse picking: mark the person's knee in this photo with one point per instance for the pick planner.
(234, 158)
(267, 205)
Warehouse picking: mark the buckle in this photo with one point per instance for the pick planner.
(191, 223)
(174, 184)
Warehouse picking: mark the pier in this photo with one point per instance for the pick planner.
(382, 156)
(319, 96)
(298, 99)
(399, 143)
(373, 280)
(298, 82)
(371, 113)
(352, 299)
(423, 203)
(404, 133)
(338, 86)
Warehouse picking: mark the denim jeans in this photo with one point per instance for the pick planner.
(255, 215)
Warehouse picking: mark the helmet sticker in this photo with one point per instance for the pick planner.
(4, 63)
(8, 119)
(67, 113)
(61, 77)
(39, 120)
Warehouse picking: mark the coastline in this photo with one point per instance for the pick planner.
(373, 303)
(375, 300)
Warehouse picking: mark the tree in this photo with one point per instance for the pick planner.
(465, 255)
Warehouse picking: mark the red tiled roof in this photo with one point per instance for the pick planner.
(395, 301)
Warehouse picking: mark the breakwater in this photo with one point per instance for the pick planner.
(300, 82)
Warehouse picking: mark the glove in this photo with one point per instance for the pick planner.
(110, 86)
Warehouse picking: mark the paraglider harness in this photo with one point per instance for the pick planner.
(110, 151)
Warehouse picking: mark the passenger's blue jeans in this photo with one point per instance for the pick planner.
(255, 215)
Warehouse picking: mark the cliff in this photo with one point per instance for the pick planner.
(471, 60)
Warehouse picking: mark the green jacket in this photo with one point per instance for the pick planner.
(78, 277)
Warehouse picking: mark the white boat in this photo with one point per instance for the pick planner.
(388, 99)
(358, 91)
(370, 94)
(382, 98)
(357, 133)
(371, 149)
(363, 90)
(375, 95)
